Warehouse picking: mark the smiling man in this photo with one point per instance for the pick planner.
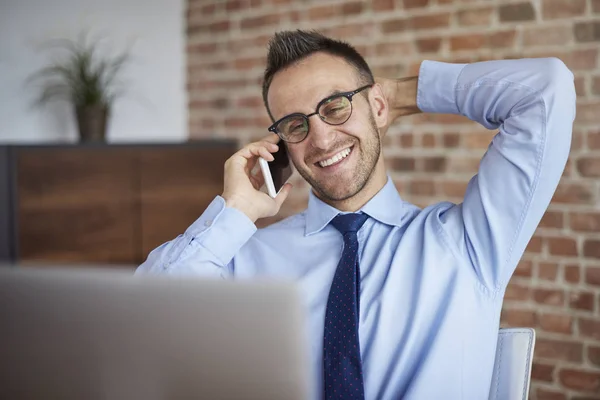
(403, 302)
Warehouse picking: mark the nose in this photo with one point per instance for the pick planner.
(321, 134)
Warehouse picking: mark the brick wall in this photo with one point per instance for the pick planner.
(556, 287)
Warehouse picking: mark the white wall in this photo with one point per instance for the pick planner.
(155, 108)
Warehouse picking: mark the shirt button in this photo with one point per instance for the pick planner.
(207, 223)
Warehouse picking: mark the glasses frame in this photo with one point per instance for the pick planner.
(348, 95)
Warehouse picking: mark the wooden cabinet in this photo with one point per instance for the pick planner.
(103, 203)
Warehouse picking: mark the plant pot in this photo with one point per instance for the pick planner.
(91, 121)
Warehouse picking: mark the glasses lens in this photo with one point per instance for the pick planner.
(293, 128)
(336, 110)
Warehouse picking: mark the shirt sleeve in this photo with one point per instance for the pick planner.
(532, 104)
(207, 248)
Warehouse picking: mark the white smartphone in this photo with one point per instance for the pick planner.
(276, 172)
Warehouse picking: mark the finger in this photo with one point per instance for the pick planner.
(259, 178)
(272, 138)
(255, 183)
(283, 194)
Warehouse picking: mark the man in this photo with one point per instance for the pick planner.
(402, 302)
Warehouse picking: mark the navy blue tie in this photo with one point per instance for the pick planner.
(342, 365)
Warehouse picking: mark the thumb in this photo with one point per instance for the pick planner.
(283, 194)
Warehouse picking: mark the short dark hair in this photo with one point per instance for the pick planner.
(288, 47)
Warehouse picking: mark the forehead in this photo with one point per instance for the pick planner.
(301, 86)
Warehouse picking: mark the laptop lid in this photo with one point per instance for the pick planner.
(71, 334)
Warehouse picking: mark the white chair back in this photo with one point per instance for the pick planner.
(512, 366)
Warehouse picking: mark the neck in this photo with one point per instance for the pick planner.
(376, 182)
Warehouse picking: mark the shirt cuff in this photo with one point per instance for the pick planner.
(222, 230)
(436, 90)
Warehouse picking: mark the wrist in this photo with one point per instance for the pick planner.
(240, 205)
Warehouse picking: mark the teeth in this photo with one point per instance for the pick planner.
(336, 158)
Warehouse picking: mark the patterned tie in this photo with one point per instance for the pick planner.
(341, 349)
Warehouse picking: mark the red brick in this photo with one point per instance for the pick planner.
(545, 394)
(596, 6)
(535, 245)
(406, 140)
(582, 301)
(353, 8)
(395, 25)
(519, 318)
(408, 4)
(562, 350)
(587, 31)
(591, 248)
(475, 17)
(451, 140)
(383, 5)
(549, 297)
(428, 140)
(574, 193)
(422, 187)
(580, 380)
(547, 271)
(592, 276)
(552, 219)
(524, 268)
(393, 49)
(516, 12)
(502, 39)
(561, 246)
(553, 9)
(234, 5)
(402, 164)
(259, 22)
(542, 372)
(516, 292)
(596, 85)
(454, 188)
(213, 27)
(584, 222)
(589, 167)
(586, 59)
(430, 21)
(468, 42)
(429, 45)
(589, 328)
(594, 355)
(580, 90)
(593, 140)
(547, 36)
(556, 323)
(572, 273)
(434, 164)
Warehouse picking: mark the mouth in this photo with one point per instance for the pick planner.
(335, 159)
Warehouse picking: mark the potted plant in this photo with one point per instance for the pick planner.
(86, 80)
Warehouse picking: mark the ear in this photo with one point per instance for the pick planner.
(379, 107)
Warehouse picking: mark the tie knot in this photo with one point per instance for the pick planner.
(349, 222)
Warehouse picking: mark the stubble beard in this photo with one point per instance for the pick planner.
(340, 188)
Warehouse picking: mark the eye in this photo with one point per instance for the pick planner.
(335, 108)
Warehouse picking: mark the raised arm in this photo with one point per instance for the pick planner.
(532, 104)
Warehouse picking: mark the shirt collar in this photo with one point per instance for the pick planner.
(386, 207)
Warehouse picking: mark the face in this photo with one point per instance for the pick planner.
(338, 161)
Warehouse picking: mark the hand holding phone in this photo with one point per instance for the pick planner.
(276, 172)
(241, 186)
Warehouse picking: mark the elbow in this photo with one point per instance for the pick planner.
(560, 84)
(559, 77)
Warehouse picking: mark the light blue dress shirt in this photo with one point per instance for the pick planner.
(433, 279)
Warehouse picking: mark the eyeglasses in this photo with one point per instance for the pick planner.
(333, 110)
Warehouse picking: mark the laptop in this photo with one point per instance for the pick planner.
(105, 334)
